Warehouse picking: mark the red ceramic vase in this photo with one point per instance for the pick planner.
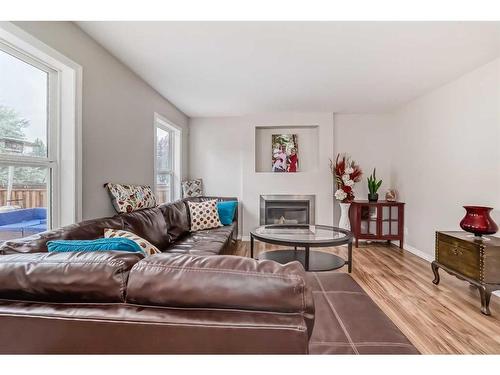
(477, 220)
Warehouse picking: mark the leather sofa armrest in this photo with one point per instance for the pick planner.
(67, 276)
(224, 281)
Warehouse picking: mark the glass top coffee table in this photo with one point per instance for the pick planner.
(302, 237)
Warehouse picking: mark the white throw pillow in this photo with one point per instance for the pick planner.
(146, 246)
(204, 215)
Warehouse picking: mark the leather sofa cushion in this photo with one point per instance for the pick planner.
(204, 242)
(66, 277)
(148, 224)
(176, 216)
(222, 281)
(86, 230)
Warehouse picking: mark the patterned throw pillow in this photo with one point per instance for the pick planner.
(128, 198)
(204, 215)
(192, 188)
(147, 247)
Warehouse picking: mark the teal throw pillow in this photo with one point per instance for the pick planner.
(226, 211)
(100, 244)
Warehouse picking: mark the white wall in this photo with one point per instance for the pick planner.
(440, 151)
(367, 138)
(447, 154)
(216, 150)
(118, 110)
(222, 152)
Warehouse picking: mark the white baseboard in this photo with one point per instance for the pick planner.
(411, 249)
(417, 252)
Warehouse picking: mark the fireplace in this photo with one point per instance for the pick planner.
(286, 209)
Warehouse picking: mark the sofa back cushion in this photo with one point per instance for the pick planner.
(66, 277)
(176, 216)
(148, 224)
(86, 230)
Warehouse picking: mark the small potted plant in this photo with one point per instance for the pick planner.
(373, 186)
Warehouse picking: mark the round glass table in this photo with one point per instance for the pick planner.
(302, 237)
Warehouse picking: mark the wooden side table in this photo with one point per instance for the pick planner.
(382, 220)
(468, 258)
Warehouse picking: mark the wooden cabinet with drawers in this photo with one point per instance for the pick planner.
(469, 258)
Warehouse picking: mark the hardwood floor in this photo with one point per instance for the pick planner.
(443, 319)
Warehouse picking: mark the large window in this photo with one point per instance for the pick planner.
(167, 160)
(28, 144)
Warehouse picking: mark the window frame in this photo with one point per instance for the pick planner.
(69, 114)
(175, 151)
(51, 160)
(169, 170)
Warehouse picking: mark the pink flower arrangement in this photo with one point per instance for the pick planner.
(346, 173)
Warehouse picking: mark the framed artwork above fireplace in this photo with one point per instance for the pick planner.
(285, 153)
(290, 149)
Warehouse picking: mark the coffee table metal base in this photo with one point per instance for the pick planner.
(318, 260)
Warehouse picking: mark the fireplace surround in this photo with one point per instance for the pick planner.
(287, 209)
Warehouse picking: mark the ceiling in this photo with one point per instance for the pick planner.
(236, 68)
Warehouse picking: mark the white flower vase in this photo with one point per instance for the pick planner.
(344, 222)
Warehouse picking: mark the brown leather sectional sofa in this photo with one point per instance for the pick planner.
(185, 300)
